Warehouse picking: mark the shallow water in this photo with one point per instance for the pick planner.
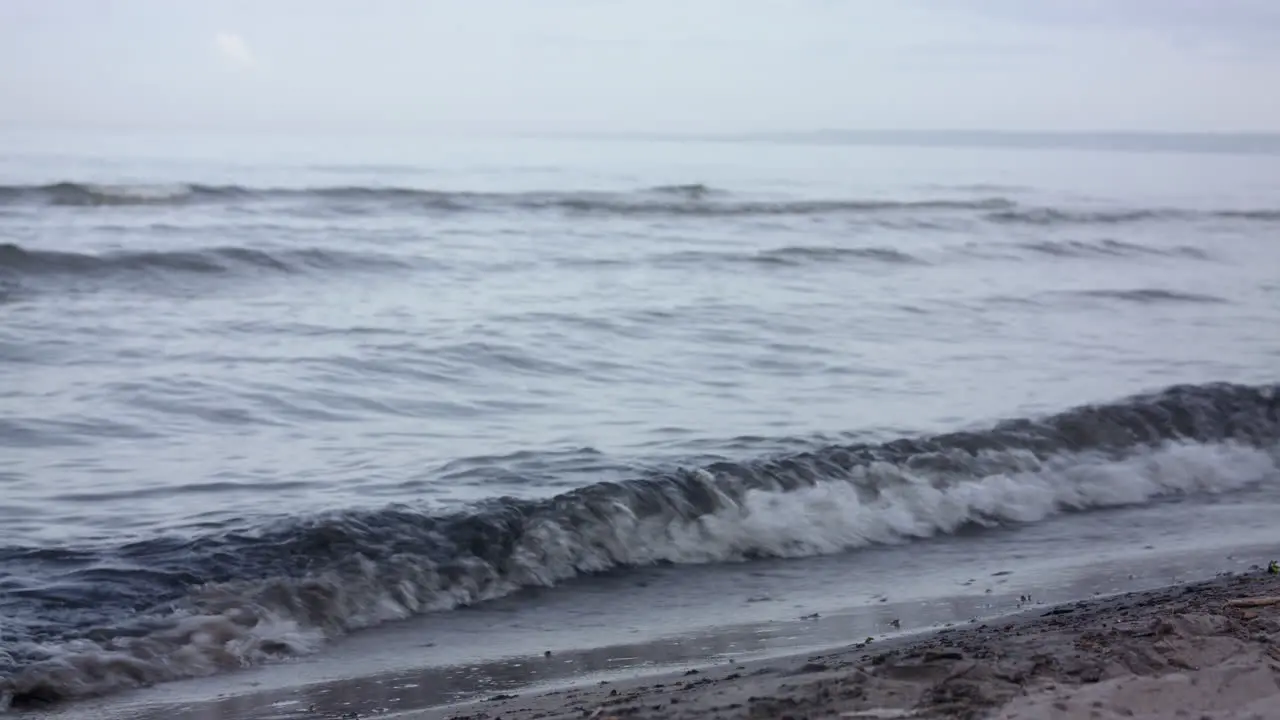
(260, 393)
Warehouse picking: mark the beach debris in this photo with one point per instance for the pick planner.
(896, 623)
(1254, 601)
(879, 713)
(1273, 568)
(811, 616)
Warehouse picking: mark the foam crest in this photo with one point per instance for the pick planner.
(231, 600)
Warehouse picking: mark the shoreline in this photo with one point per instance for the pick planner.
(1177, 651)
(1063, 646)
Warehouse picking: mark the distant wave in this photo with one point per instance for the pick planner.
(1108, 247)
(83, 621)
(91, 194)
(1055, 216)
(16, 261)
(682, 200)
(1137, 296)
(694, 199)
(794, 255)
(621, 204)
(694, 191)
(1066, 216)
(1265, 215)
(1151, 295)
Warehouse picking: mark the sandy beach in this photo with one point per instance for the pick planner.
(1204, 650)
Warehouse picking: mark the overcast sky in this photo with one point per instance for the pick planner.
(640, 65)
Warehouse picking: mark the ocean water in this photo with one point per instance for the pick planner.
(259, 394)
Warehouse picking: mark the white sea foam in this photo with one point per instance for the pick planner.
(228, 625)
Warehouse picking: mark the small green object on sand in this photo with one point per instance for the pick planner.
(1274, 568)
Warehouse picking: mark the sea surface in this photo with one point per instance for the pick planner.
(263, 396)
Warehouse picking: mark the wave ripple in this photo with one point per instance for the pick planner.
(21, 262)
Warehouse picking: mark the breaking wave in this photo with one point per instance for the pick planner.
(91, 194)
(84, 621)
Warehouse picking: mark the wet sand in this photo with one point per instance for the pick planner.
(1185, 651)
(1145, 653)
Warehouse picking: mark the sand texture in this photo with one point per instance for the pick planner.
(1193, 651)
